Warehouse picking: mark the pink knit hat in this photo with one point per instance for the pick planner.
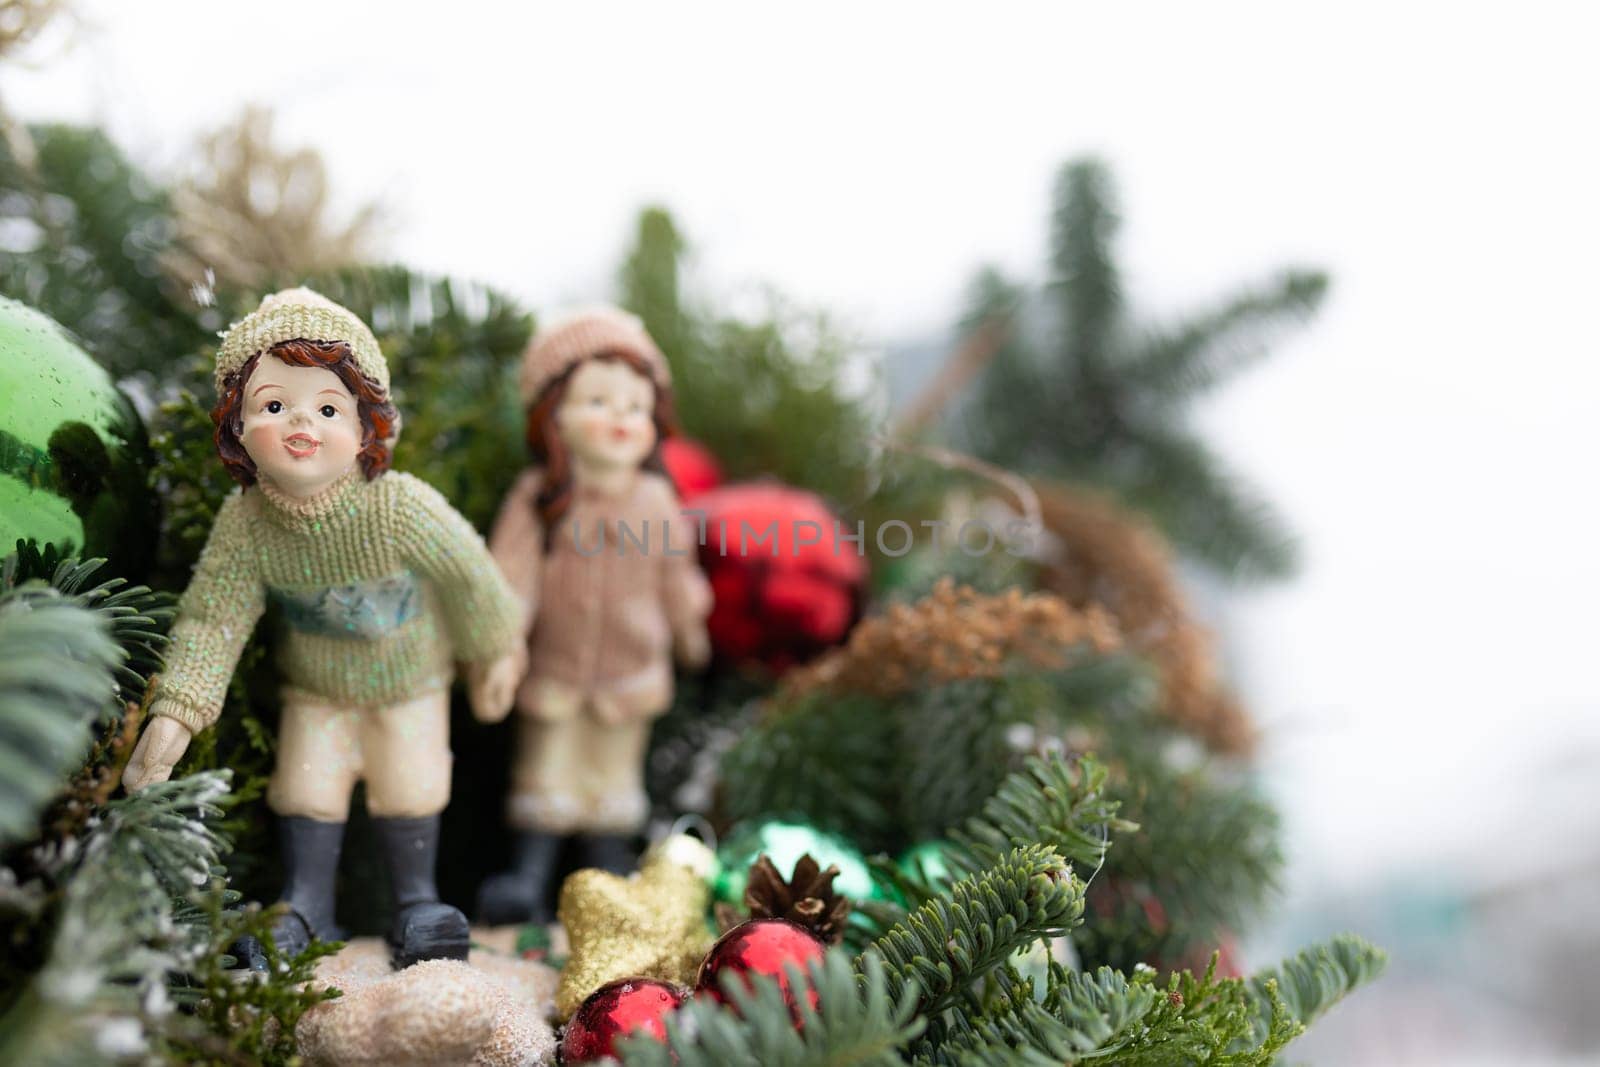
(581, 335)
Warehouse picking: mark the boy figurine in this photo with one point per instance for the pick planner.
(380, 584)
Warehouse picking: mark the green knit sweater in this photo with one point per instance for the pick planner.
(392, 532)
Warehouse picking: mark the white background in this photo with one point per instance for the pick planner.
(1428, 686)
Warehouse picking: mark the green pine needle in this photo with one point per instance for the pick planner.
(858, 1022)
(137, 616)
(1054, 802)
(1082, 392)
(57, 664)
(956, 938)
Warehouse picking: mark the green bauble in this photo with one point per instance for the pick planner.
(928, 858)
(785, 843)
(73, 452)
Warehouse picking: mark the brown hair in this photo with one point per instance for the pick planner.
(550, 452)
(378, 416)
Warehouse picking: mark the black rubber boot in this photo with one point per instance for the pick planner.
(609, 852)
(424, 928)
(522, 894)
(310, 864)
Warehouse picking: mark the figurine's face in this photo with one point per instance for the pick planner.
(301, 426)
(605, 419)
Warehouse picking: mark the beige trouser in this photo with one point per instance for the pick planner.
(402, 752)
(579, 774)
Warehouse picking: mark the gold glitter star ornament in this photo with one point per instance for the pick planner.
(648, 925)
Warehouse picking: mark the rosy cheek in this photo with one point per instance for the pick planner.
(260, 436)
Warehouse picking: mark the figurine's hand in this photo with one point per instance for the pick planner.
(160, 748)
(493, 689)
(694, 648)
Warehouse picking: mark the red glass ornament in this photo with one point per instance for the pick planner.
(760, 946)
(782, 599)
(616, 1009)
(691, 466)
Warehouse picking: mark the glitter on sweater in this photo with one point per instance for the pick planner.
(353, 533)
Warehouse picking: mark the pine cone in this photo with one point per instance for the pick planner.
(807, 899)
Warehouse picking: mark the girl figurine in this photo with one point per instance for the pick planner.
(594, 545)
(379, 583)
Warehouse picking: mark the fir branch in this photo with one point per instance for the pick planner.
(1204, 507)
(1232, 1021)
(1175, 363)
(1105, 1017)
(1051, 802)
(153, 847)
(1085, 393)
(987, 331)
(1083, 225)
(117, 934)
(950, 750)
(1046, 803)
(1313, 980)
(1083, 1014)
(1204, 863)
(137, 617)
(56, 664)
(857, 1021)
(648, 282)
(955, 939)
(826, 759)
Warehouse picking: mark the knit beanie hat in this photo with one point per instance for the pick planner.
(300, 315)
(581, 335)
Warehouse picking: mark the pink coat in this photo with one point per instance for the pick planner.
(619, 586)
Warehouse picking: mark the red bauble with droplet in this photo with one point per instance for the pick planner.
(614, 1011)
(760, 946)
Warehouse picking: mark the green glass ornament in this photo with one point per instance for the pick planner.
(929, 858)
(785, 843)
(74, 457)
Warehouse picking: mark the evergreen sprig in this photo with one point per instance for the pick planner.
(57, 664)
(825, 760)
(137, 617)
(1079, 391)
(116, 936)
(863, 1019)
(1204, 863)
(1054, 802)
(1083, 1014)
(1106, 1017)
(888, 774)
(954, 939)
(1307, 984)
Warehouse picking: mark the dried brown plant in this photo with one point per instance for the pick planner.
(23, 21)
(253, 212)
(956, 633)
(1109, 557)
